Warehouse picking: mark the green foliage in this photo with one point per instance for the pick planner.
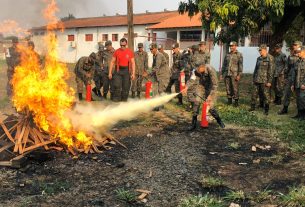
(125, 195)
(295, 30)
(235, 195)
(53, 187)
(261, 196)
(201, 201)
(295, 197)
(234, 145)
(211, 182)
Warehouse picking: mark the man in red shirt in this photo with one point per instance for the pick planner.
(123, 60)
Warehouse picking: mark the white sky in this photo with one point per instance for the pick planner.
(28, 12)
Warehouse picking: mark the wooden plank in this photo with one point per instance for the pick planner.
(40, 138)
(17, 135)
(25, 139)
(19, 138)
(6, 163)
(38, 145)
(8, 134)
(6, 147)
(10, 130)
(112, 138)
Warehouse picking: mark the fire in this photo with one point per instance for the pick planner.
(42, 89)
(12, 27)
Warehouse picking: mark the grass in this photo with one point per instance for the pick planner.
(295, 197)
(211, 182)
(52, 188)
(234, 145)
(235, 196)
(261, 196)
(201, 201)
(125, 195)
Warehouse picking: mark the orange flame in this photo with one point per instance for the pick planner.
(43, 90)
(11, 27)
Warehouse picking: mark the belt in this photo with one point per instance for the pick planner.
(123, 67)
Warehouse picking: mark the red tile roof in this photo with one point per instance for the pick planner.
(179, 21)
(118, 20)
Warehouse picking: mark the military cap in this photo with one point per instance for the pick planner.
(153, 45)
(101, 47)
(176, 45)
(297, 43)
(92, 55)
(31, 43)
(160, 46)
(233, 43)
(14, 39)
(279, 45)
(262, 46)
(195, 47)
(108, 43)
(202, 43)
(140, 44)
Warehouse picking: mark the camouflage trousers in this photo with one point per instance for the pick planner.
(232, 87)
(300, 94)
(136, 84)
(159, 85)
(98, 79)
(261, 91)
(176, 82)
(278, 86)
(80, 83)
(9, 86)
(287, 94)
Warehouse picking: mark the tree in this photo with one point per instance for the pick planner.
(240, 18)
(69, 17)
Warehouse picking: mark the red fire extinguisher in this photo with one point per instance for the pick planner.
(88, 94)
(204, 115)
(182, 81)
(148, 91)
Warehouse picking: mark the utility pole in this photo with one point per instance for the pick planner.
(130, 24)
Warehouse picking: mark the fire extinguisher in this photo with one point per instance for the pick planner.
(88, 94)
(148, 91)
(204, 115)
(182, 81)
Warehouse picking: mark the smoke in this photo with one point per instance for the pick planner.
(99, 118)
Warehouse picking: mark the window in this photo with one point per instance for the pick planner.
(190, 36)
(262, 37)
(115, 37)
(70, 38)
(89, 37)
(105, 37)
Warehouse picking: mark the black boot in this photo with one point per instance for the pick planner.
(236, 104)
(278, 100)
(133, 94)
(99, 93)
(229, 101)
(252, 107)
(138, 94)
(194, 124)
(266, 109)
(95, 91)
(180, 101)
(80, 96)
(261, 104)
(284, 110)
(302, 118)
(216, 116)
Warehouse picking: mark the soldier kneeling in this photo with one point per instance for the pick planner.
(203, 85)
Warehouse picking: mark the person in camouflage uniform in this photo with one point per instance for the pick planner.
(99, 71)
(175, 73)
(108, 53)
(203, 51)
(196, 58)
(262, 78)
(141, 61)
(160, 71)
(186, 63)
(298, 83)
(84, 72)
(292, 59)
(13, 59)
(203, 84)
(161, 50)
(231, 72)
(278, 81)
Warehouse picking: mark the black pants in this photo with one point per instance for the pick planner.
(107, 84)
(121, 84)
(175, 82)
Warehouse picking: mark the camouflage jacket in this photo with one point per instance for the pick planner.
(206, 55)
(280, 64)
(13, 57)
(160, 67)
(166, 57)
(84, 70)
(264, 69)
(292, 59)
(298, 73)
(233, 64)
(100, 59)
(186, 62)
(177, 65)
(107, 55)
(197, 59)
(141, 61)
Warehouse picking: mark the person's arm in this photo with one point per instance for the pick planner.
(240, 67)
(146, 63)
(133, 68)
(270, 71)
(112, 63)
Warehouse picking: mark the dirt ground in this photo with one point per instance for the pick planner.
(162, 157)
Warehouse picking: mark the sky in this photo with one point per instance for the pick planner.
(28, 12)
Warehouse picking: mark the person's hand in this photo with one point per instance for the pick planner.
(110, 76)
(145, 74)
(237, 78)
(133, 76)
(268, 85)
(292, 88)
(303, 87)
(209, 99)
